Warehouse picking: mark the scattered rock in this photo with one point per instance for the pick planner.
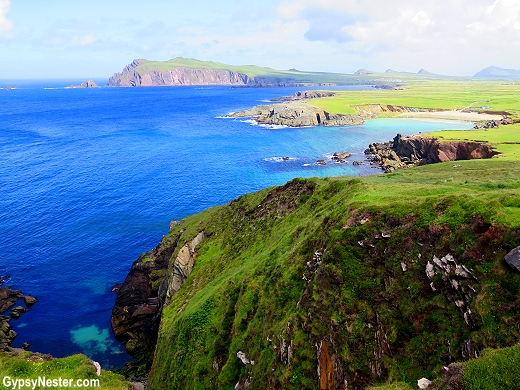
(25, 345)
(321, 162)
(424, 383)
(242, 356)
(455, 281)
(513, 258)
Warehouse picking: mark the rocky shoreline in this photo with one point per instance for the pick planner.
(295, 111)
(8, 299)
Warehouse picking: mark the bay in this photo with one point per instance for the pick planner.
(91, 178)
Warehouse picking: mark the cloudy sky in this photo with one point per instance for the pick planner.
(95, 38)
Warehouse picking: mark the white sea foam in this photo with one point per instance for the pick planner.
(273, 127)
(280, 159)
(250, 121)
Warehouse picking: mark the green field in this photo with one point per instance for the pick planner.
(441, 94)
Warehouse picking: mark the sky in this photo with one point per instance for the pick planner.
(96, 38)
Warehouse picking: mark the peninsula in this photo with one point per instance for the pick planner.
(185, 71)
(346, 283)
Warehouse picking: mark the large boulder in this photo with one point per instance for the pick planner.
(513, 258)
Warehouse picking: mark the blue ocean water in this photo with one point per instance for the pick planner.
(91, 178)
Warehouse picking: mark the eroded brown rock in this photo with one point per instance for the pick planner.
(415, 150)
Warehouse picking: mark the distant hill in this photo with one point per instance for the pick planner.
(494, 72)
(186, 71)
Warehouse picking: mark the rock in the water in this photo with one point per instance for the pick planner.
(86, 84)
(513, 258)
(30, 300)
(424, 383)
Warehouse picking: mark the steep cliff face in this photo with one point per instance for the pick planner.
(137, 309)
(141, 74)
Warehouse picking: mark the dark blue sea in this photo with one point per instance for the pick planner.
(91, 178)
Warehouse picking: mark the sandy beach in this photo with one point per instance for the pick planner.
(455, 115)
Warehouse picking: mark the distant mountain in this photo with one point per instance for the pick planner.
(421, 73)
(494, 72)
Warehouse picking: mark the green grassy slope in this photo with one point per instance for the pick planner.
(29, 366)
(248, 284)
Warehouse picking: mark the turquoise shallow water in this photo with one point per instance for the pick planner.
(90, 179)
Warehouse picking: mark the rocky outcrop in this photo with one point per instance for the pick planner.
(296, 114)
(86, 84)
(494, 123)
(415, 150)
(8, 299)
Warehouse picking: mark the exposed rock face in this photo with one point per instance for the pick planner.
(297, 114)
(330, 372)
(415, 150)
(183, 265)
(137, 309)
(456, 280)
(133, 76)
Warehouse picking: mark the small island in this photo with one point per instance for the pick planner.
(86, 84)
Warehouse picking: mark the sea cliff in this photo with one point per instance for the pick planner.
(332, 283)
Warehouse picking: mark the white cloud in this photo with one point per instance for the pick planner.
(5, 24)
(86, 40)
(406, 32)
